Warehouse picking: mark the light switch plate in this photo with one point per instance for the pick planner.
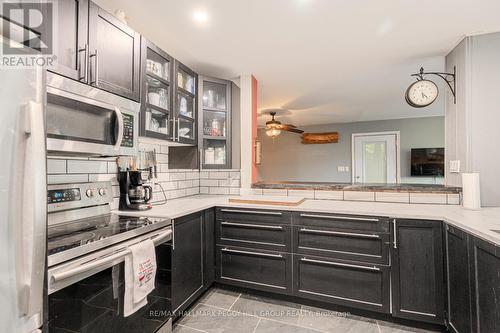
(455, 166)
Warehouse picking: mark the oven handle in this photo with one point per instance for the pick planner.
(56, 277)
(119, 118)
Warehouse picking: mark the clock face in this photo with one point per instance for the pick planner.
(421, 93)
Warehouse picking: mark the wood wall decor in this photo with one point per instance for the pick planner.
(320, 138)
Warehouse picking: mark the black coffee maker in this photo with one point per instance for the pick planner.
(134, 195)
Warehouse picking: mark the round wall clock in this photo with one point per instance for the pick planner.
(421, 93)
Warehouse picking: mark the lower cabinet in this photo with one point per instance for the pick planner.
(209, 248)
(359, 285)
(417, 271)
(458, 280)
(485, 275)
(255, 268)
(187, 260)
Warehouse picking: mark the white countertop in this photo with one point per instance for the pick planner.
(478, 223)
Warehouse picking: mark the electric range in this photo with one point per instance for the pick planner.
(87, 246)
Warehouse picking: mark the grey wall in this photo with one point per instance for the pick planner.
(472, 131)
(287, 159)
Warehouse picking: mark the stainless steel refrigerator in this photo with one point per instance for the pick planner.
(23, 198)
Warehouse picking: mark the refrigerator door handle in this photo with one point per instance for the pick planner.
(32, 227)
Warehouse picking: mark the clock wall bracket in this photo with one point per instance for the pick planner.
(449, 78)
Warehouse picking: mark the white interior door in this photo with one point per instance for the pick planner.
(375, 158)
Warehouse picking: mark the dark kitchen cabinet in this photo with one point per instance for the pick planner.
(458, 280)
(485, 275)
(255, 268)
(209, 248)
(72, 39)
(215, 120)
(348, 245)
(157, 115)
(355, 284)
(187, 260)
(185, 105)
(417, 271)
(114, 54)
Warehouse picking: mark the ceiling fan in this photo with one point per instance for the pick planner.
(274, 127)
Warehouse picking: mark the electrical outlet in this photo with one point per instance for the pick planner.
(455, 166)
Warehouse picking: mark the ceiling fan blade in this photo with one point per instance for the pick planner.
(290, 125)
(292, 129)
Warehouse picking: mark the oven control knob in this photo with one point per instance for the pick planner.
(89, 193)
(102, 191)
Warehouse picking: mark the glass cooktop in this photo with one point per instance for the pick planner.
(85, 235)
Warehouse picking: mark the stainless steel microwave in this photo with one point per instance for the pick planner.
(89, 121)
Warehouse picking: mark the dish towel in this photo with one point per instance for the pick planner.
(140, 272)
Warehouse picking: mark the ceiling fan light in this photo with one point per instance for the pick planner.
(273, 132)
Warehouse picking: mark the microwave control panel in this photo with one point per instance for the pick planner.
(128, 131)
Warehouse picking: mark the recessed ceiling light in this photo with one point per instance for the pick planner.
(200, 16)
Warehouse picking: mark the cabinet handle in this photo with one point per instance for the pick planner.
(258, 254)
(85, 51)
(256, 226)
(350, 234)
(337, 217)
(178, 129)
(173, 235)
(368, 268)
(94, 80)
(256, 212)
(395, 233)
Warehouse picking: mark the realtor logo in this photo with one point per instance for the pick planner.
(28, 34)
(28, 26)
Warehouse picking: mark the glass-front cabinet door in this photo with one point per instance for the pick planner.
(157, 103)
(185, 105)
(215, 123)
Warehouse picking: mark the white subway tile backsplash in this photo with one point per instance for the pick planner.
(85, 166)
(282, 193)
(328, 195)
(428, 198)
(175, 183)
(209, 182)
(103, 177)
(401, 197)
(234, 191)
(219, 190)
(301, 193)
(235, 174)
(68, 178)
(55, 166)
(218, 174)
(177, 176)
(359, 196)
(453, 199)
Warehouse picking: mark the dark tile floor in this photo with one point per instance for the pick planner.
(220, 311)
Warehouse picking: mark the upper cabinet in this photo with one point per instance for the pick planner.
(185, 104)
(72, 44)
(95, 48)
(114, 54)
(215, 123)
(156, 97)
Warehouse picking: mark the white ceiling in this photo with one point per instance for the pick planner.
(325, 61)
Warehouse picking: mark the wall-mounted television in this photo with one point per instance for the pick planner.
(427, 162)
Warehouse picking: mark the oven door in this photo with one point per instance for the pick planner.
(86, 294)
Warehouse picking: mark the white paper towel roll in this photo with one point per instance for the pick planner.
(471, 191)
